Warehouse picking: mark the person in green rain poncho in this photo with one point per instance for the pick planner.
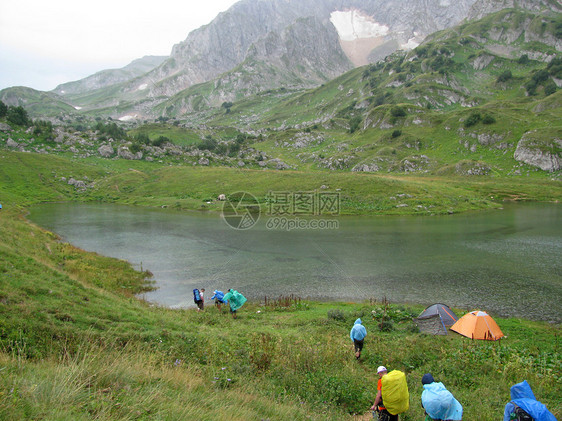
(235, 300)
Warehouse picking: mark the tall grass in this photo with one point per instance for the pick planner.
(76, 344)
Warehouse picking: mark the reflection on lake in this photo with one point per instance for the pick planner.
(506, 262)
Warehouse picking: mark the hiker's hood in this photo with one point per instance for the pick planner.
(235, 299)
(439, 403)
(522, 395)
(358, 331)
(522, 390)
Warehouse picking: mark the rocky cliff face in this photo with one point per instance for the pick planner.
(482, 8)
(247, 27)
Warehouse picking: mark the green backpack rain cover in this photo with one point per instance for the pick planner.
(395, 392)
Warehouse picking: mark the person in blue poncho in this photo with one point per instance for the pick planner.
(218, 296)
(438, 402)
(523, 402)
(357, 335)
(235, 299)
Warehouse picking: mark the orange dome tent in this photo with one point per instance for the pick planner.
(478, 325)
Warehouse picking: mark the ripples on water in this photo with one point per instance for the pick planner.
(506, 262)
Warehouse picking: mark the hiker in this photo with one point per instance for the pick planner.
(438, 402)
(384, 415)
(235, 299)
(218, 296)
(357, 335)
(199, 298)
(524, 405)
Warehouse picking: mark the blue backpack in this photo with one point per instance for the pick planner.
(196, 295)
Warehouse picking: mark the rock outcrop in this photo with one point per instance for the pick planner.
(540, 149)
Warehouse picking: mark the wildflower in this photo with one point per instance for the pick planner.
(224, 368)
(228, 380)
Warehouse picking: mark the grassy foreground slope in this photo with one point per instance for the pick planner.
(75, 343)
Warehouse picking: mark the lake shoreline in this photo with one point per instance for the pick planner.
(445, 253)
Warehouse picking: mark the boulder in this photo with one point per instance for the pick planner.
(366, 168)
(106, 151)
(125, 153)
(11, 143)
(542, 151)
(5, 127)
(79, 184)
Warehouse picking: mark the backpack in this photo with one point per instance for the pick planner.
(196, 295)
(395, 392)
(521, 415)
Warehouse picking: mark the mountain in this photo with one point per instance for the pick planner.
(37, 103)
(295, 43)
(107, 78)
(225, 43)
(480, 98)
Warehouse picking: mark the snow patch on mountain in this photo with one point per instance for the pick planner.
(412, 42)
(353, 24)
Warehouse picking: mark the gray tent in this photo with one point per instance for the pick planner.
(435, 319)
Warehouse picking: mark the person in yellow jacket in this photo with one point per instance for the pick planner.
(384, 415)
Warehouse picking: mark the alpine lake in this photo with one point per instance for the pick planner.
(506, 262)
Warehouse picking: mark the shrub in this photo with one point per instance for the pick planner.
(396, 133)
(488, 119)
(3, 109)
(398, 111)
(208, 143)
(549, 87)
(143, 138)
(336, 314)
(541, 76)
(18, 116)
(386, 326)
(524, 59)
(531, 87)
(135, 147)
(473, 119)
(504, 76)
(354, 123)
(160, 141)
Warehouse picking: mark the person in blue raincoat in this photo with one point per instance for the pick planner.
(522, 397)
(235, 299)
(218, 296)
(357, 335)
(438, 402)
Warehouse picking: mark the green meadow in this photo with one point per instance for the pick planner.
(76, 343)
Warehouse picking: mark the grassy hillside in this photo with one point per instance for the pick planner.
(27, 178)
(75, 344)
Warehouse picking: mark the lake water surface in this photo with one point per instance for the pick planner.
(506, 262)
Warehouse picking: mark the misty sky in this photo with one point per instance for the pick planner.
(46, 43)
